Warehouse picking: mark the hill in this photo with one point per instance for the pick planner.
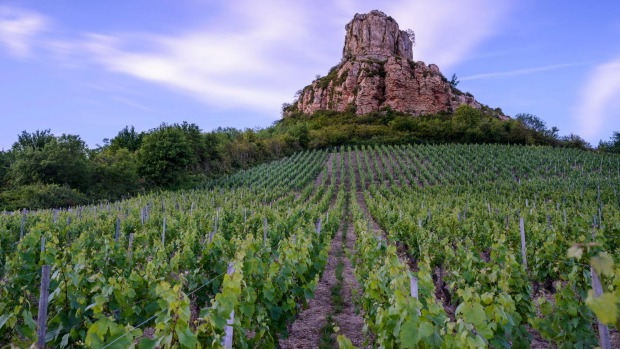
(438, 246)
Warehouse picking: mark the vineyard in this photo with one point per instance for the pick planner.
(445, 246)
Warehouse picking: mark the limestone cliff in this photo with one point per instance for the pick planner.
(378, 70)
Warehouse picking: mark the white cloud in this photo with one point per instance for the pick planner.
(19, 28)
(448, 31)
(245, 62)
(256, 54)
(599, 97)
(517, 72)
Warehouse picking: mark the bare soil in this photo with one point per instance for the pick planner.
(401, 174)
(351, 319)
(305, 332)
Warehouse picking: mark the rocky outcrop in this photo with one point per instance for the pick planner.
(375, 36)
(377, 70)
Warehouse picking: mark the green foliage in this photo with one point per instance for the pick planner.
(35, 141)
(324, 82)
(62, 161)
(164, 155)
(182, 156)
(177, 293)
(38, 196)
(455, 223)
(611, 146)
(128, 139)
(114, 174)
(6, 159)
(454, 81)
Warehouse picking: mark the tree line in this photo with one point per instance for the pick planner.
(42, 170)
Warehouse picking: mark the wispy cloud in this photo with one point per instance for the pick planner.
(19, 28)
(132, 103)
(517, 72)
(266, 50)
(448, 31)
(250, 62)
(599, 97)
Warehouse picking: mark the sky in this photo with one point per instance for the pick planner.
(93, 67)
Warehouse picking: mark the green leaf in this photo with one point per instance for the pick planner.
(65, 340)
(425, 330)
(409, 335)
(604, 306)
(28, 320)
(575, 252)
(603, 263)
(246, 308)
(345, 343)
(474, 313)
(147, 343)
(4, 318)
(187, 338)
(487, 298)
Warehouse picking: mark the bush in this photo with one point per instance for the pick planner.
(165, 154)
(41, 196)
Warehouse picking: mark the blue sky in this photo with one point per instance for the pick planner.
(92, 67)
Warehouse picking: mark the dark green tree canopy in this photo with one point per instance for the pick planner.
(62, 160)
(613, 145)
(35, 140)
(128, 139)
(166, 151)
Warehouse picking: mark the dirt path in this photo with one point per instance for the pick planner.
(333, 299)
(351, 318)
(400, 170)
(306, 330)
(319, 178)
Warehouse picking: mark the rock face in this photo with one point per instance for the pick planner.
(377, 70)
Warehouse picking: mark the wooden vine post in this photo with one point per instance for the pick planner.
(603, 330)
(21, 231)
(118, 228)
(228, 337)
(129, 251)
(43, 299)
(265, 233)
(523, 254)
(163, 233)
(413, 288)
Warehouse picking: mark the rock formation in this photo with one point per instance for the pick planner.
(377, 70)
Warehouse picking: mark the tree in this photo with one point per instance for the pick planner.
(165, 155)
(575, 141)
(115, 174)
(454, 81)
(411, 36)
(535, 123)
(611, 146)
(128, 139)
(35, 140)
(466, 117)
(532, 122)
(302, 134)
(40, 196)
(6, 158)
(62, 161)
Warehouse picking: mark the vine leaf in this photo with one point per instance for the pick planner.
(604, 307)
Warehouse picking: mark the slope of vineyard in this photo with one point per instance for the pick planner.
(434, 241)
(160, 277)
(458, 234)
